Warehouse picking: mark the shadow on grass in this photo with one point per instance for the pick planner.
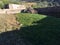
(45, 32)
(49, 11)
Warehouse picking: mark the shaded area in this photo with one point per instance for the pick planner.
(6, 6)
(13, 38)
(50, 11)
(45, 32)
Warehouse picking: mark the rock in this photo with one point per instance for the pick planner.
(29, 10)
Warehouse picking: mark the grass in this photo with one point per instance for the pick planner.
(27, 19)
(40, 29)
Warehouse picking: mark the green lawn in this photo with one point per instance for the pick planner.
(27, 19)
(40, 29)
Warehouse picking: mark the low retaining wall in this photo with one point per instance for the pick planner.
(2, 11)
(10, 11)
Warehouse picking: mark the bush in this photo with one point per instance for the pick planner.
(1, 4)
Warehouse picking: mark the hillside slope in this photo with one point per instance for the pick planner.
(40, 29)
(37, 30)
(8, 22)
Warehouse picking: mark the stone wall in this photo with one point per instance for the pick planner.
(16, 6)
(13, 8)
(9, 11)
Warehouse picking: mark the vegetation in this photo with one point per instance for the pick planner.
(46, 4)
(28, 19)
(44, 31)
(40, 3)
(37, 28)
(1, 4)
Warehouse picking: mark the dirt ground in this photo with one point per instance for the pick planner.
(8, 22)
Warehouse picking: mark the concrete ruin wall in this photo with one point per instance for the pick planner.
(12, 10)
(9, 11)
(16, 6)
